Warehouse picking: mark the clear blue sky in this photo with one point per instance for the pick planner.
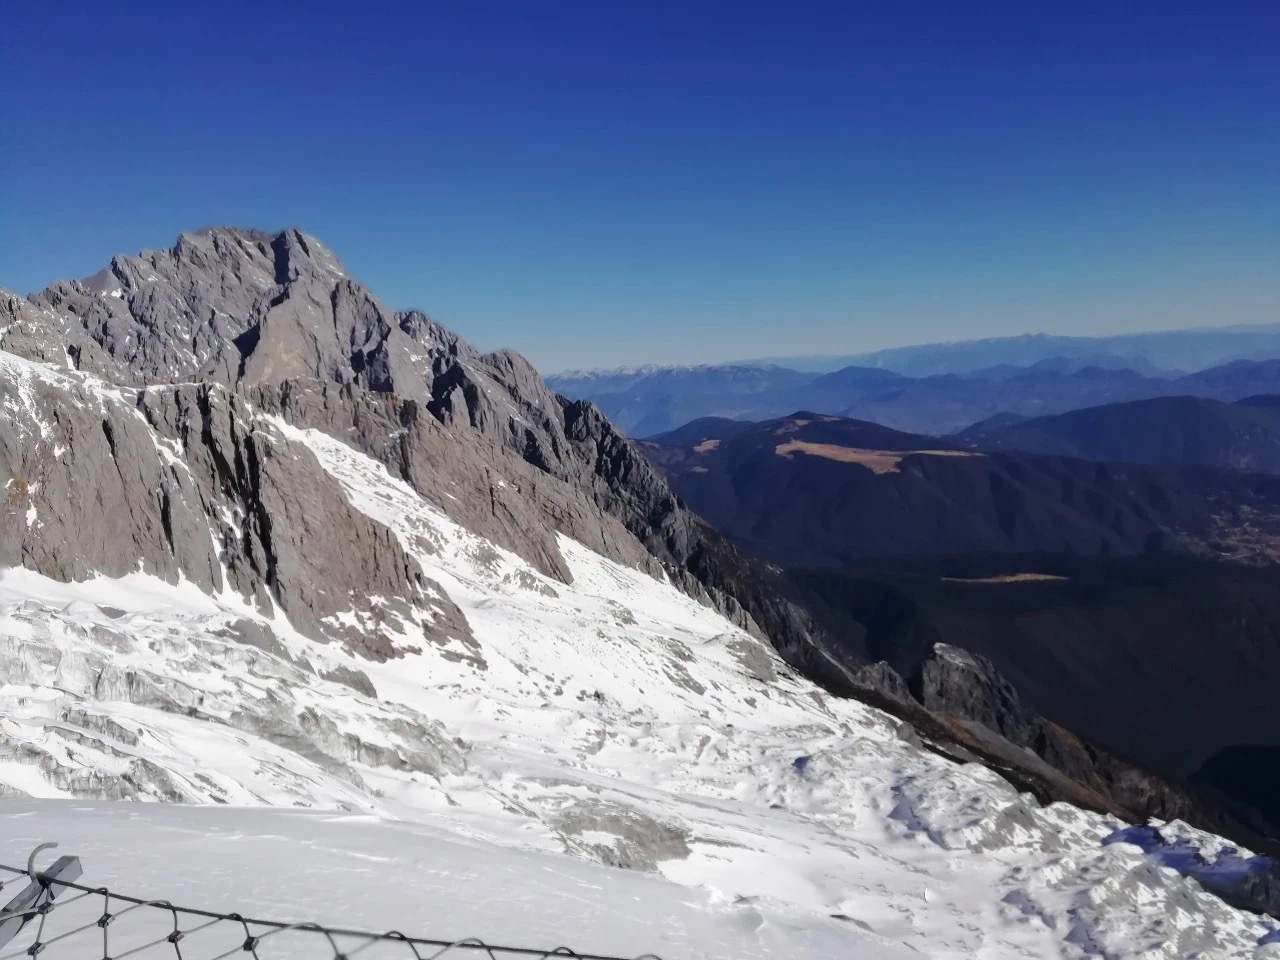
(607, 182)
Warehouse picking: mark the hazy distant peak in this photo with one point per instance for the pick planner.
(641, 370)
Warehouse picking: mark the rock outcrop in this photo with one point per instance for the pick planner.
(968, 690)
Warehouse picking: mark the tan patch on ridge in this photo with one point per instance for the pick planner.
(877, 461)
(791, 426)
(1005, 578)
(706, 446)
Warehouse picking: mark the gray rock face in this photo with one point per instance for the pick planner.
(178, 482)
(40, 333)
(955, 682)
(89, 488)
(487, 488)
(191, 311)
(288, 532)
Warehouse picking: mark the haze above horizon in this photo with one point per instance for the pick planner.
(674, 184)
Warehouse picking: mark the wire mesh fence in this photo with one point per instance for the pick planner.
(52, 915)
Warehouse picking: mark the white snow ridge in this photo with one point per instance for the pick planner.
(605, 763)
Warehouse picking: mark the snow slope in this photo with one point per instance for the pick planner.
(368, 873)
(497, 778)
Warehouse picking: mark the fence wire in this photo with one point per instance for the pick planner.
(64, 911)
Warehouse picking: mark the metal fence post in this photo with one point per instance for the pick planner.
(65, 869)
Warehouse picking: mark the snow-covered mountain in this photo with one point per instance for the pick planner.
(267, 544)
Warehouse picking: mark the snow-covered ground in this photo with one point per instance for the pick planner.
(357, 871)
(606, 764)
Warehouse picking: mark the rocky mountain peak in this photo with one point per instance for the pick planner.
(292, 253)
(274, 322)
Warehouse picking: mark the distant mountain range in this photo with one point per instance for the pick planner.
(814, 490)
(649, 401)
(1193, 431)
(1160, 351)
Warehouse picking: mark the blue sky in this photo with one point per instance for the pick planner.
(605, 183)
